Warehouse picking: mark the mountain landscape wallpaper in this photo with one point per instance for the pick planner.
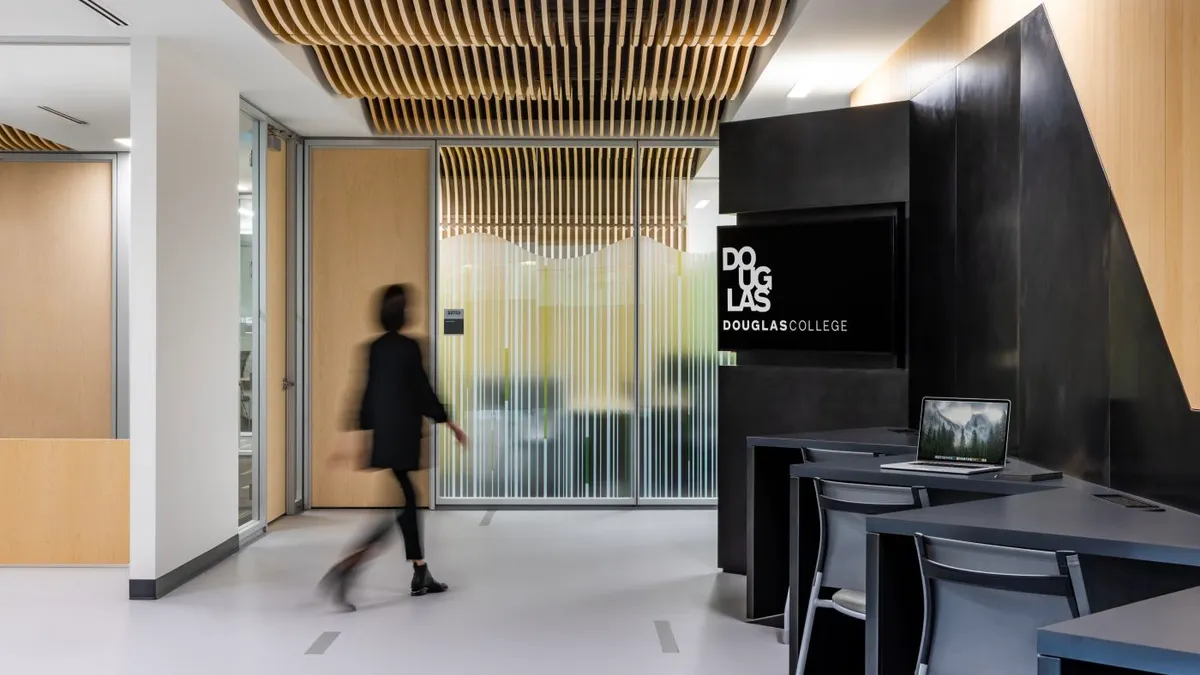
(966, 430)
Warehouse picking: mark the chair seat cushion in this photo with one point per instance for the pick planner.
(851, 600)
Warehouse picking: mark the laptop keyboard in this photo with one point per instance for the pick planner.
(953, 465)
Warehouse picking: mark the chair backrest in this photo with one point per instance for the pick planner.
(984, 604)
(843, 510)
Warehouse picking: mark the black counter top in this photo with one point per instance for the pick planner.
(1153, 636)
(866, 469)
(887, 440)
(1070, 518)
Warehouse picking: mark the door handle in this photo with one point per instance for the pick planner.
(288, 384)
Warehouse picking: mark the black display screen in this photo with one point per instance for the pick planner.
(825, 286)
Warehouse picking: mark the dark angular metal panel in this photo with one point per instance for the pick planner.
(987, 245)
(931, 243)
(840, 157)
(1154, 435)
(758, 400)
(1065, 228)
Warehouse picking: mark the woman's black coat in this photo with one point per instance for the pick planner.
(396, 396)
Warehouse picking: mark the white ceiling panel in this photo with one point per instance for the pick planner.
(832, 46)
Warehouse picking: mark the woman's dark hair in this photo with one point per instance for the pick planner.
(393, 303)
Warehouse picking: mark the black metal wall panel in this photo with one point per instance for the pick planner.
(1154, 436)
(841, 157)
(987, 242)
(1065, 219)
(931, 244)
(758, 400)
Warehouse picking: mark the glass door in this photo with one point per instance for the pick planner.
(536, 277)
(249, 483)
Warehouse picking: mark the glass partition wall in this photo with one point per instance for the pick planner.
(249, 354)
(537, 254)
(677, 327)
(576, 298)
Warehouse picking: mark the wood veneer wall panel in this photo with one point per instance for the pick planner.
(64, 502)
(56, 378)
(370, 227)
(277, 318)
(1135, 67)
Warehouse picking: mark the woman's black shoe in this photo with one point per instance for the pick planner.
(423, 582)
(336, 584)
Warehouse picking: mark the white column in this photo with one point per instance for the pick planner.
(183, 310)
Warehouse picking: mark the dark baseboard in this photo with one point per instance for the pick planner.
(154, 589)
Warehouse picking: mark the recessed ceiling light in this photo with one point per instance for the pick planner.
(244, 187)
(702, 203)
(529, 263)
(246, 212)
(127, 142)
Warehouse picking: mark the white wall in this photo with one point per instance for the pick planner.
(184, 253)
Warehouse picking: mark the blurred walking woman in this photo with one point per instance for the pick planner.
(396, 396)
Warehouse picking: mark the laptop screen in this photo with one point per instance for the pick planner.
(964, 430)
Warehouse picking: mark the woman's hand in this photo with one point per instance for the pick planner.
(459, 434)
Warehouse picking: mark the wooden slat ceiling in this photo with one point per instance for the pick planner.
(13, 139)
(555, 196)
(530, 68)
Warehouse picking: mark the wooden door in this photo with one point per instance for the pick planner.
(369, 227)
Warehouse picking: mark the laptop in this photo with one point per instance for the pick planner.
(961, 436)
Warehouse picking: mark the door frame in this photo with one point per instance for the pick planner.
(263, 324)
(303, 294)
(303, 380)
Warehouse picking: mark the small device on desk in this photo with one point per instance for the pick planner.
(961, 436)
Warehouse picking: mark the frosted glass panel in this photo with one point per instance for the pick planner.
(539, 254)
(678, 326)
(585, 366)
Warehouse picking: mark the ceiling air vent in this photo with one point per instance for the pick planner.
(62, 114)
(104, 12)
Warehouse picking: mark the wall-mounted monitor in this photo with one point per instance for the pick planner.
(826, 286)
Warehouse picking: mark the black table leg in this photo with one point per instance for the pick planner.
(895, 605)
(767, 514)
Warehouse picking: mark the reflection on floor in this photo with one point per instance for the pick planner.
(532, 593)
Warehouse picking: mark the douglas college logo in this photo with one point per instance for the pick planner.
(754, 281)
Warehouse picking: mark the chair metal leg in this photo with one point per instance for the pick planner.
(806, 633)
(787, 618)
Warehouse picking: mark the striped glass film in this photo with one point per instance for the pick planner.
(577, 348)
(677, 296)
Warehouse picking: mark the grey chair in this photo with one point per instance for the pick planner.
(842, 549)
(984, 604)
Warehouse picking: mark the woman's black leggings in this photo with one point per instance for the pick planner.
(406, 519)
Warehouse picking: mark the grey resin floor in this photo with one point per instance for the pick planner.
(532, 593)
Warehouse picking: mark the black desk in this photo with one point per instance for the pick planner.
(1153, 636)
(766, 533)
(1127, 555)
(835, 636)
